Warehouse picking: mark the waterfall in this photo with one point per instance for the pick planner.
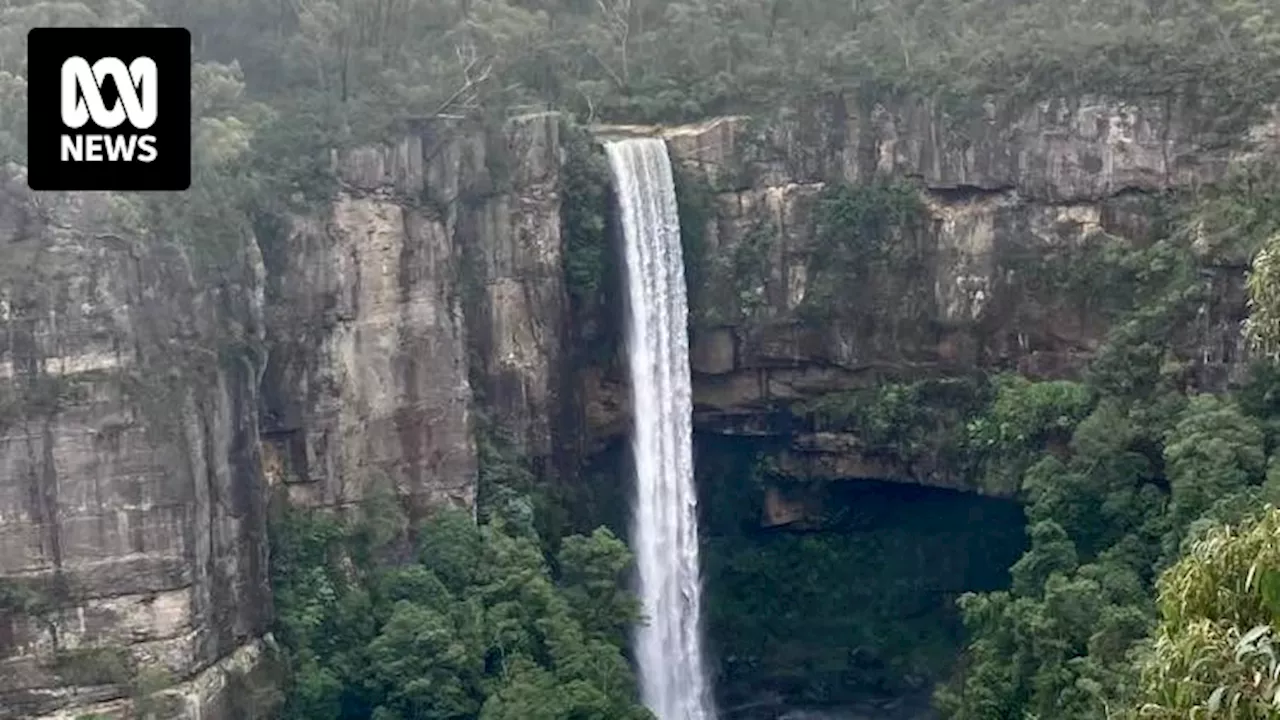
(664, 531)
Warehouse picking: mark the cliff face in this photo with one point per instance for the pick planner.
(134, 467)
(1003, 195)
(133, 520)
(148, 411)
(437, 263)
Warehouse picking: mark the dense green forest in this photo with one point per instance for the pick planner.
(1151, 583)
(475, 627)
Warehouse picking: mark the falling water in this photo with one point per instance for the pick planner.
(664, 529)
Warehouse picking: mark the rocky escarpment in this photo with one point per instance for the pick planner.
(967, 287)
(148, 408)
(148, 411)
(436, 264)
(133, 521)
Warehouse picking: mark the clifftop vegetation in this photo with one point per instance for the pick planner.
(335, 70)
(277, 84)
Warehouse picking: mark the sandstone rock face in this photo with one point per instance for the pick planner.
(1061, 151)
(367, 387)
(517, 309)
(1003, 193)
(438, 264)
(146, 411)
(132, 512)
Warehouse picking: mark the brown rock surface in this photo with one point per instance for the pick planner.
(437, 265)
(132, 515)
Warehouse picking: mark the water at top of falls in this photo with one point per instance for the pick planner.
(664, 532)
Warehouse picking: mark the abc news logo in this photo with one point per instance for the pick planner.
(82, 101)
(109, 109)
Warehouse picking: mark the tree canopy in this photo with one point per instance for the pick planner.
(335, 69)
(478, 626)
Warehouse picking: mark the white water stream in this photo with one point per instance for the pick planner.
(664, 533)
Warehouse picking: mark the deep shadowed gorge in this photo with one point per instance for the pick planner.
(850, 602)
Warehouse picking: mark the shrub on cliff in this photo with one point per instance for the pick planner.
(1215, 648)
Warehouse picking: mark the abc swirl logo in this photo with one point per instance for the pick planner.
(82, 101)
(109, 109)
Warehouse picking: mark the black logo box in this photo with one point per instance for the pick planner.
(48, 48)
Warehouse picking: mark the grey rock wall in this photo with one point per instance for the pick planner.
(367, 385)
(432, 278)
(132, 512)
(147, 411)
(1057, 151)
(516, 310)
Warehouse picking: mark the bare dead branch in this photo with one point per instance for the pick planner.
(466, 94)
(617, 79)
